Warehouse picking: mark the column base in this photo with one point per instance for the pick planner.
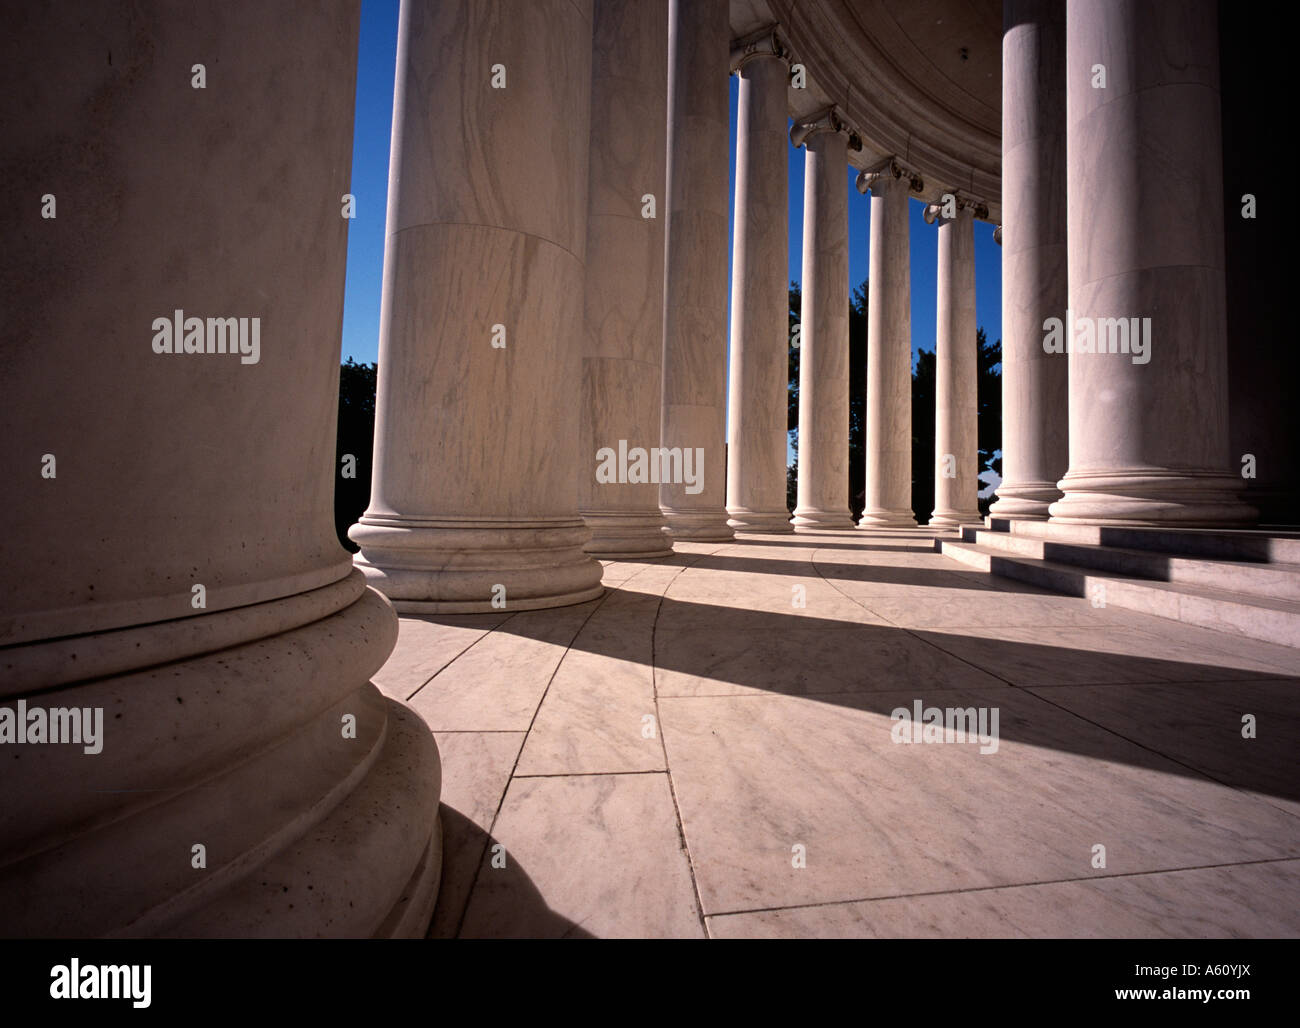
(1152, 497)
(313, 797)
(743, 520)
(698, 526)
(1024, 501)
(621, 534)
(882, 518)
(955, 518)
(811, 519)
(450, 566)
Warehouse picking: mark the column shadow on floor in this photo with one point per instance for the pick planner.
(1153, 710)
(513, 908)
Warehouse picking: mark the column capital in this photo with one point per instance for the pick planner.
(826, 120)
(885, 173)
(766, 42)
(997, 235)
(977, 208)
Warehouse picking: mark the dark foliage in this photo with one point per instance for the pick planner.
(356, 435)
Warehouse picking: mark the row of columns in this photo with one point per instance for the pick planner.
(482, 448)
(483, 440)
(251, 780)
(1112, 189)
(756, 468)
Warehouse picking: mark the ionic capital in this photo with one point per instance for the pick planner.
(960, 202)
(828, 120)
(887, 172)
(766, 42)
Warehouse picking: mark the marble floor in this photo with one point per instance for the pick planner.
(708, 750)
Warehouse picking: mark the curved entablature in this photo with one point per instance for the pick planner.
(918, 81)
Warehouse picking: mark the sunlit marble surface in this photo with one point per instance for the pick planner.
(645, 764)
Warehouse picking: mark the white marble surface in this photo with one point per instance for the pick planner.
(1135, 458)
(757, 374)
(956, 374)
(1205, 903)
(487, 226)
(477, 768)
(695, 263)
(823, 490)
(639, 885)
(772, 728)
(889, 360)
(623, 297)
(755, 775)
(174, 470)
(1035, 385)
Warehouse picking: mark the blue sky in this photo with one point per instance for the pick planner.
(374, 116)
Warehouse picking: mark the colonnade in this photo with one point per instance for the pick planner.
(553, 367)
(1113, 199)
(596, 426)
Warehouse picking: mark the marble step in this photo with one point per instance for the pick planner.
(1240, 614)
(1215, 543)
(1271, 580)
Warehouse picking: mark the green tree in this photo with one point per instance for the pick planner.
(857, 397)
(989, 429)
(792, 398)
(989, 395)
(356, 436)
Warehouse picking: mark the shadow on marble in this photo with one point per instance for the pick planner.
(476, 768)
(529, 906)
(706, 650)
(1201, 903)
(607, 848)
(1202, 725)
(943, 572)
(756, 777)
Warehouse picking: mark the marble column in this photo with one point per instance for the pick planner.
(693, 418)
(172, 573)
(623, 323)
(1148, 421)
(889, 353)
(956, 373)
(823, 496)
(758, 376)
(1035, 384)
(474, 497)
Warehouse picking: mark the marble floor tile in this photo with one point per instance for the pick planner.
(596, 855)
(1200, 725)
(593, 718)
(476, 769)
(984, 608)
(773, 730)
(1213, 647)
(732, 600)
(757, 776)
(497, 684)
(774, 653)
(899, 580)
(1100, 655)
(1242, 901)
(426, 645)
